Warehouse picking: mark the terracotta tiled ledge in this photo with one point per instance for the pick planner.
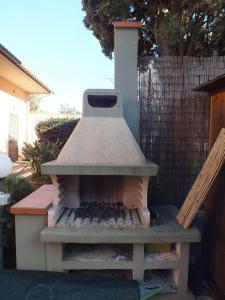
(37, 203)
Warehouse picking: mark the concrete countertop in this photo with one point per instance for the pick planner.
(167, 231)
(37, 203)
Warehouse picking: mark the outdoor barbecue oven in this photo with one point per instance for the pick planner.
(96, 210)
(101, 175)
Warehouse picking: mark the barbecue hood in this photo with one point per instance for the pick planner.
(101, 143)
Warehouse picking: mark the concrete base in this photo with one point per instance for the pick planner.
(51, 256)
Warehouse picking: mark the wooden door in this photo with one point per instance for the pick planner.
(214, 237)
(217, 116)
(13, 136)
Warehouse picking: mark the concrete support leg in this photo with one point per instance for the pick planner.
(181, 274)
(138, 257)
(30, 251)
(54, 257)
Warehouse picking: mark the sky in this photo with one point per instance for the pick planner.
(49, 37)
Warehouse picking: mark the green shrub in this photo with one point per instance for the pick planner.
(52, 135)
(18, 188)
(37, 153)
(55, 130)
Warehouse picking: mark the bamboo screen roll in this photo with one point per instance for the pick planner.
(174, 121)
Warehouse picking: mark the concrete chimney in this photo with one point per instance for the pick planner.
(125, 57)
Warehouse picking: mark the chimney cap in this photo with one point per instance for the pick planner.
(127, 24)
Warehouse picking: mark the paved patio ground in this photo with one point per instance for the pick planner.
(30, 285)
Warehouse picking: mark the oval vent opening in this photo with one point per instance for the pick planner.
(104, 101)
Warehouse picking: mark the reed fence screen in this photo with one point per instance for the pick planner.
(174, 121)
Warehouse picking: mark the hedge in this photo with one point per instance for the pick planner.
(55, 130)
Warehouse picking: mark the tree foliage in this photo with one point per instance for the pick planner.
(35, 102)
(66, 108)
(171, 27)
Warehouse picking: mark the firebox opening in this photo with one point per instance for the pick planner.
(102, 101)
(107, 189)
(103, 200)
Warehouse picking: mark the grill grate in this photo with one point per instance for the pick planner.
(99, 214)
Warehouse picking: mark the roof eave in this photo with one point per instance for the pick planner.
(210, 86)
(28, 73)
(18, 64)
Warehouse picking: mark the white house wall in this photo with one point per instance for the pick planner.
(11, 105)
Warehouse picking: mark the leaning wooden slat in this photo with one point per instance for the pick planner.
(194, 210)
(196, 189)
(203, 182)
(196, 192)
(207, 180)
(214, 171)
(199, 196)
